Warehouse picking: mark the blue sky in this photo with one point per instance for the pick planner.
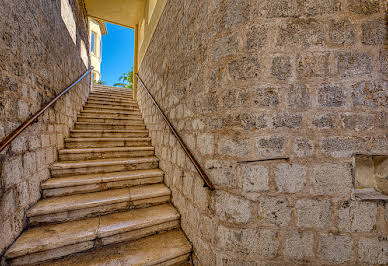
(117, 53)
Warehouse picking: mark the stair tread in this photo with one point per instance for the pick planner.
(113, 107)
(109, 123)
(110, 130)
(108, 139)
(117, 118)
(102, 162)
(79, 180)
(93, 199)
(152, 250)
(48, 237)
(111, 149)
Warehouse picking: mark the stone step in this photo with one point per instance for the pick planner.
(98, 111)
(117, 120)
(112, 94)
(74, 143)
(112, 99)
(108, 133)
(100, 182)
(49, 241)
(104, 153)
(107, 126)
(68, 168)
(164, 249)
(94, 107)
(111, 103)
(112, 90)
(112, 114)
(78, 206)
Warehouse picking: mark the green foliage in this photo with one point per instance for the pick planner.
(126, 80)
(100, 82)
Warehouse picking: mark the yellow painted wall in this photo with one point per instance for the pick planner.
(152, 11)
(95, 59)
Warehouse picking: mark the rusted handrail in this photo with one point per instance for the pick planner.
(7, 140)
(203, 175)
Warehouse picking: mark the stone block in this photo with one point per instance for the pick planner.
(320, 7)
(298, 96)
(342, 32)
(277, 8)
(370, 94)
(255, 178)
(274, 211)
(302, 33)
(205, 144)
(270, 147)
(236, 13)
(222, 173)
(12, 171)
(303, 147)
(323, 121)
(373, 32)
(290, 178)
(224, 46)
(256, 38)
(231, 208)
(331, 96)
(313, 65)
(266, 97)
(235, 147)
(281, 67)
(34, 142)
(257, 242)
(19, 145)
(23, 110)
(285, 120)
(248, 121)
(364, 7)
(299, 245)
(353, 63)
(357, 216)
(29, 164)
(358, 122)
(335, 249)
(373, 250)
(313, 213)
(244, 68)
(332, 179)
(384, 61)
(343, 146)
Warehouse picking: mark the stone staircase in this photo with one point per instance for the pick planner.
(106, 203)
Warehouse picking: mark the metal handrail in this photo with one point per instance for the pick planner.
(7, 140)
(203, 175)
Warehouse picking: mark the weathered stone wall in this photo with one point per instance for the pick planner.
(273, 97)
(43, 49)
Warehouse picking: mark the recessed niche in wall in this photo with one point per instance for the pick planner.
(371, 177)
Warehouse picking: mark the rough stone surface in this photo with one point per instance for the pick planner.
(299, 245)
(290, 90)
(335, 248)
(290, 178)
(373, 251)
(313, 213)
(38, 59)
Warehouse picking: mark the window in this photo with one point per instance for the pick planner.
(93, 38)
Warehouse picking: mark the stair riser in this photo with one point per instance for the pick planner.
(108, 134)
(113, 99)
(103, 169)
(66, 191)
(130, 236)
(106, 144)
(103, 155)
(112, 116)
(99, 107)
(128, 96)
(109, 127)
(121, 92)
(95, 211)
(111, 120)
(113, 104)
